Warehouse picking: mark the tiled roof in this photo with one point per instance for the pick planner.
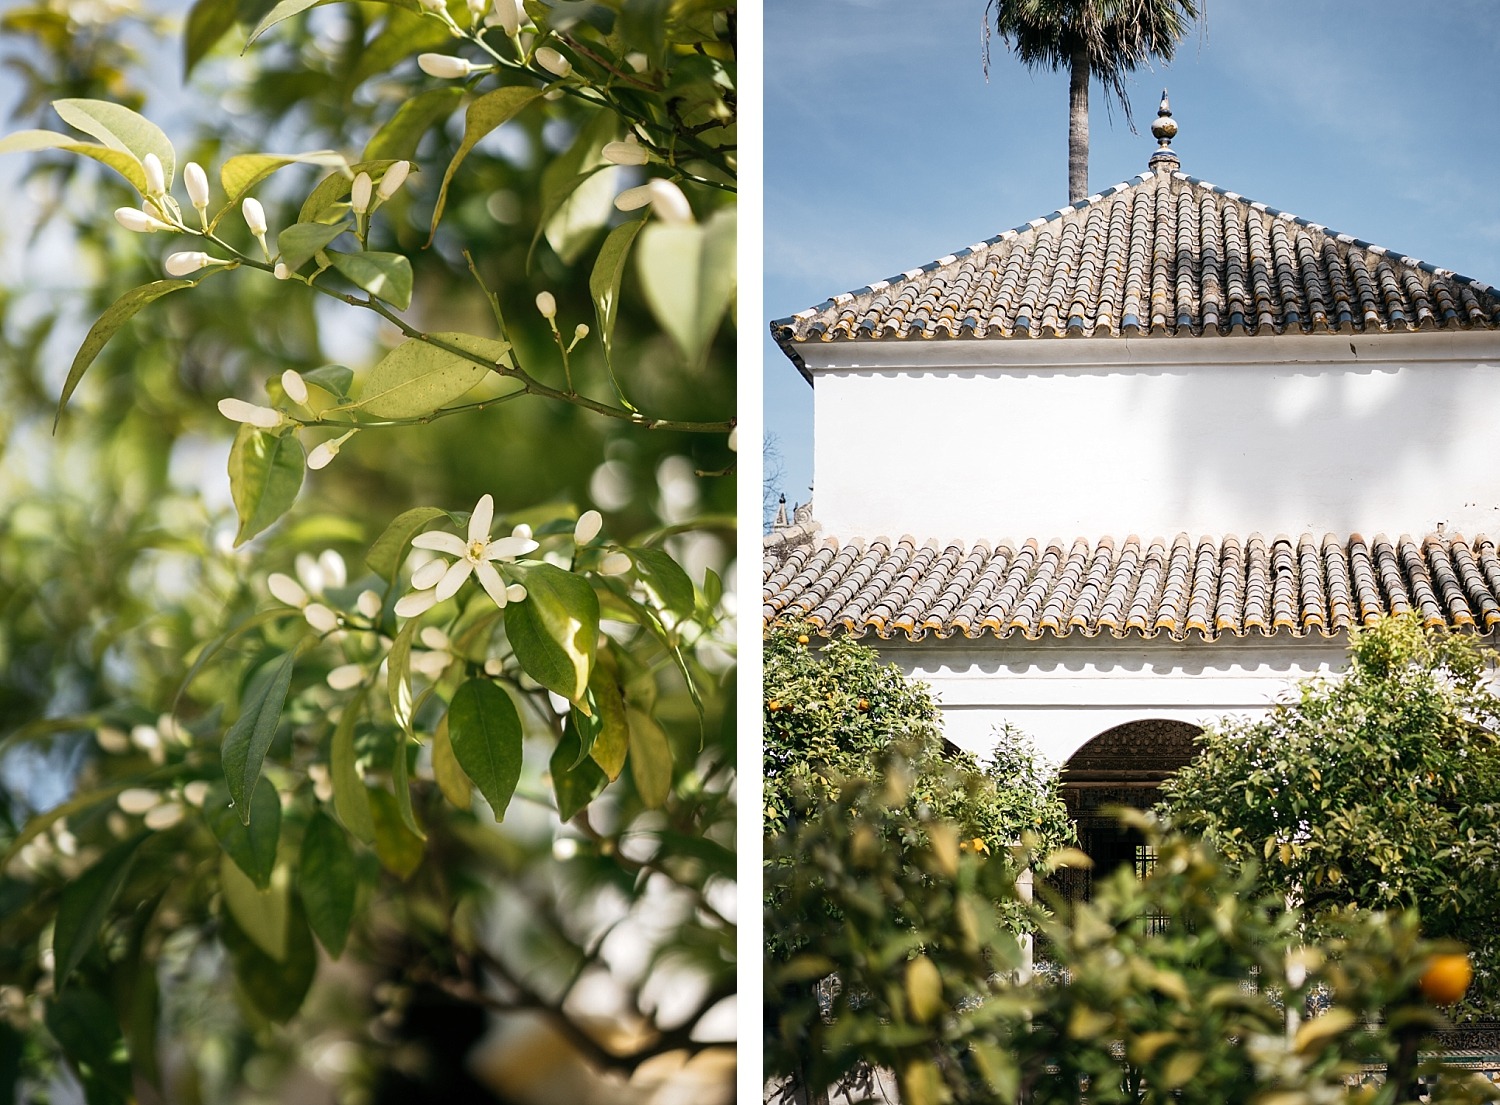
(1182, 589)
(1163, 254)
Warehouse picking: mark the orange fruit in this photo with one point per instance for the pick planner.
(774, 704)
(802, 640)
(1447, 978)
(864, 704)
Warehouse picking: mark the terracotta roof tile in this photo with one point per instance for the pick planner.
(1182, 589)
(1163, 254)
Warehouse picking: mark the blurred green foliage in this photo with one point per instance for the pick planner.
(134, 635)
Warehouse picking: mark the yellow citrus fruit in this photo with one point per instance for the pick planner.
(802, 640)
(1447, 978)
(774, 704)
(864, 704)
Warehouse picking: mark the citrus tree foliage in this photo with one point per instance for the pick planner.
(1380, 788)
(241, 747)
(1182, 986)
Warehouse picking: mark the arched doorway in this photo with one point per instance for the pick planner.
(1123, 766)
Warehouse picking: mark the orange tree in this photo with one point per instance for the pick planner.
(441, 289)
(1379, 788)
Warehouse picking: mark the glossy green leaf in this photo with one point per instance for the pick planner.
(260, 912)
(84, 905)
(397, 138)
(485, 731)
(404, 33)
(456, 786)
(386, 276)
(650, 759)
(251, 845)
(335, 379)
(276, 987)
(713, 589)
(613, 737)
(485, 114)
(300, 242)
(239, 175)
(85, 1026)
(265, 474)
(389, 551)
(574, 787)
(328, 880)
(398, 674)
(250, 736)
(604, 284)
(121, 161)
(578, 191)
(665, 576)
(398, 848)
(687, 274)
(107, 325)
(122, 129)
(401, 785)
(329, 200)
(351, 799)
(280, 13)
(555, 629)
(417, 378)
(208, 22)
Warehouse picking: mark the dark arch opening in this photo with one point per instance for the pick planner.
(1123, 766)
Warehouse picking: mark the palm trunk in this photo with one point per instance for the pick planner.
(1078, 128)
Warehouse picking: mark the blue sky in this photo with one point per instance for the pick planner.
(885, 148)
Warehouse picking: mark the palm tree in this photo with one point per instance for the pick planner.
(1107, 39)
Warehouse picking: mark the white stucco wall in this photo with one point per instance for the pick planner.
(1064, 693)
(1062, 438)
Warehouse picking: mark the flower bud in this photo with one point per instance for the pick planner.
(493, 666)
(196, 793)
(615, 564)
(734, 440)
(197, 184)
(667, 200)
(184, 264)
(322, 455)
(138, 222)
(368, 604)
(137, 800)
(628, 152)
(419, 602)
(359, 194)
(286, 589)
(294, 386)
(156, 181)
(112, 740)
(515, 593)
(237, 410)
(510, 15)
(444, 66)
(590, 522)
(255, 216)
(546, 304)
(163, 816)
(394, 178)
(477, 9)
(346, 677)
(552, 61)
(281, 272)
(320, 617)
(434, 6)
(580, 332)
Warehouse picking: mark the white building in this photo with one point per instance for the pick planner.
(1141, 463)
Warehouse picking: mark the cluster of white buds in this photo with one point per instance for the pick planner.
(152, 806)
(327, 570)
(665, 198)
(628, 152)
(553, 61)
(446, 66)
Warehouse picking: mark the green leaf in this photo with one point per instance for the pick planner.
(386, 276)
(398, 674)
(265, 474)
(485, 731)
(328, 879)
(650, 759)
(241, 173)
(575, 787)
(335, 379)
(207, 23)
(85, 903)
(665, 576)
(577, 191)
(401, 783)
(351, 800)
(251, 845)
(604, 286)
(121, 161)
(713, 589)
(300, 242)
(398, 136)
(627, 608)
(250, 736)
(389, 551)
(485, 114)
(404, 34)
(281, 12)
(107, 325)
(331, 195)
(457, 787)
(687, 274)
(398, 848)
(260, 913)
(416, 378)
(121, 129)
(554, 630)
(275, 987)
(613, 738)
(86, 1028)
